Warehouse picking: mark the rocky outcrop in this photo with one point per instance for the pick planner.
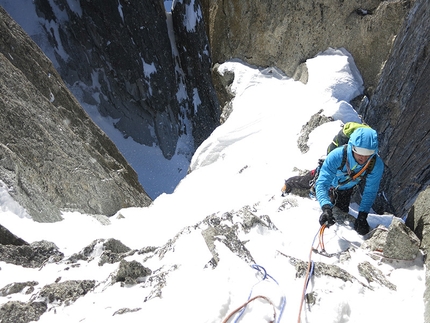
(286, 33)
(34, 255)
(65, 292)
(52, 156)
(131, 273)
(109, 251)
(397, 242)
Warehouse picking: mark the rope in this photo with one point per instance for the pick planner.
(310, 269)
(321, 237)
(243, 306)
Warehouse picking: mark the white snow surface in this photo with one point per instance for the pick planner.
(243, 162)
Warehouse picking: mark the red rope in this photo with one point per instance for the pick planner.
(249, 301)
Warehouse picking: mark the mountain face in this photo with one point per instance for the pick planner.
(399, 110)
(148, 71)
(52, 156)
(286, 33)
(122, 58)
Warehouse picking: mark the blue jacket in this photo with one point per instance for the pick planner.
(331, 176)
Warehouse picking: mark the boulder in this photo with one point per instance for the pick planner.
(398, 242)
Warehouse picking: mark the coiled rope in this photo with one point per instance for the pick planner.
(241, 309)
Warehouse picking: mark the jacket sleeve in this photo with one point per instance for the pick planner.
(372, 186)
(327, 175)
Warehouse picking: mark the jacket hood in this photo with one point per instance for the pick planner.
(364, 138)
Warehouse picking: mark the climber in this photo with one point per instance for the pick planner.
(306, 182)
(343, 168)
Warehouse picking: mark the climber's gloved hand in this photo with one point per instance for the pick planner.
(361, 225)
(327, 216)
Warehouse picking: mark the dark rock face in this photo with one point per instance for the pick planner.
(120, 57)
(52, 156)
(122, 51)
(196, 61)
(8, 238)
(400, 112)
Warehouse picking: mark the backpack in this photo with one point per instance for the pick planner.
(342, 137)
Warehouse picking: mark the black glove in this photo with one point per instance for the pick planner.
(361, 225)
(327, 216)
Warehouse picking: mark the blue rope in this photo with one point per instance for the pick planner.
(311, 272)
(265, 275)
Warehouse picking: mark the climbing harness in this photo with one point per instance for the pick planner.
(241, 309)
(368, 167)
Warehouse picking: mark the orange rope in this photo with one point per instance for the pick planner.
(361, 170)
(249, 301)
(321, 237)
(321, 244)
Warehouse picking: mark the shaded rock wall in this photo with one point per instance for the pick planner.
(120, 57)
(196, 62)
(52, 156)
(400, 112)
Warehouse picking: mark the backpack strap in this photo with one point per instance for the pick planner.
(342, 164)
(368, 168)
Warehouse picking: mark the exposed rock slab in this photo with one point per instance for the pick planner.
(52, 156)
